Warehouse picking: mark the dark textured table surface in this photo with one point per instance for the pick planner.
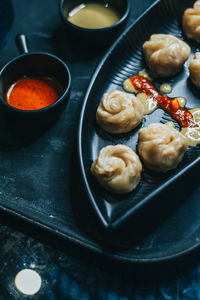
(69, 271)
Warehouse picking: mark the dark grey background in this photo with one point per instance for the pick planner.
(69, 271)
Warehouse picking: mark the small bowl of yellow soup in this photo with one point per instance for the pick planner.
(94, 22)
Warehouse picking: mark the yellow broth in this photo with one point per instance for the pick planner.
(93, 15)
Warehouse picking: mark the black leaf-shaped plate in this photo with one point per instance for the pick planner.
(124, 60)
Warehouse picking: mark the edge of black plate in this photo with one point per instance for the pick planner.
(121, 220)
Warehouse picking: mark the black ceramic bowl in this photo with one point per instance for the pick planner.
(94, 38)
(35, 64)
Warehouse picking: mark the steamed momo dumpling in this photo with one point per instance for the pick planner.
(161, 147)
(117, 168)
(191, 22)
(194, 68)
(165, 54)
(119, 112)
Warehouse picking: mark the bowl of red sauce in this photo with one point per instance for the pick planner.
(35, 85)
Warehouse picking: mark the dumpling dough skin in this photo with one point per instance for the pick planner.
(161, 147)
(119, 112)
(165, 54)
(194, 68)
(191, 22)
(117, 168)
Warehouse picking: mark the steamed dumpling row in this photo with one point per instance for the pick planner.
(119, 112)
(191, 28)
(165, 54)
(117, 168)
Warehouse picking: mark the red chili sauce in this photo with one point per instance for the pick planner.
(31, 93)
(170, 105)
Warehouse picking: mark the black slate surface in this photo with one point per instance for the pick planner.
(69, 271)
(39, 173)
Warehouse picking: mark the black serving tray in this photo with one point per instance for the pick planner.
(40, 180)
(124, 60)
